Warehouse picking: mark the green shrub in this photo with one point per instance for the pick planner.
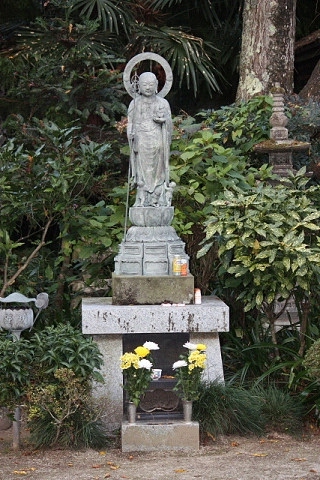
(51, 374)
(312, 360)
(64, 413)
(82, 431)
(281, 411)
(15, 372)
(243, 125)
(223, 409)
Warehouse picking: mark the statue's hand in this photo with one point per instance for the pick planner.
(159, 120)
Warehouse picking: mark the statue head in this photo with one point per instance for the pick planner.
(148, 84)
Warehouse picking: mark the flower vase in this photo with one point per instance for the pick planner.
(187, 410)
(132, 412)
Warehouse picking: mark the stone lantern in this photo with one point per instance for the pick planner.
(280, 147)
(16, 315)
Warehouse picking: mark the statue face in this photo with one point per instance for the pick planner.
(148, 84)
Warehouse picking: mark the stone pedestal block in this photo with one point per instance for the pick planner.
(144, 290)
(149, 250)
(146, 437)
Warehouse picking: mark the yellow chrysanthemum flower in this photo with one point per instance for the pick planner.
(201, 361)
(142, 351)
(197, 359)
(201, 347)
(129, 360)
(194, 355)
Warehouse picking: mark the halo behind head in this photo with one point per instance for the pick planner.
(140, 58)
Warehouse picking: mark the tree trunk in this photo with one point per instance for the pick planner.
(312, 88)
(267, 52)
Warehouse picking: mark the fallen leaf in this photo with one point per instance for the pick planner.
(96, 466)
(114, 467)
(24, 472)
(259, 454)
(102, 453)
(213, 438)
(313, 470)
(107, 475)
(235, 444)
(180, 470)
(270, 440)
(299, 459)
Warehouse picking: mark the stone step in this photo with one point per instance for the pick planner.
(161, 436)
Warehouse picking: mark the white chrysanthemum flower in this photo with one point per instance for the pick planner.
(190, 346)
(179, 364)
(144, 363)
(151, 345)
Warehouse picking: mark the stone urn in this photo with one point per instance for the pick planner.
(16, 319)
(16, 315)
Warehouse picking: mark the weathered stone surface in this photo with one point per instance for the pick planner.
(149, 251)
(145, 437)
(279, 147)
(151, 216)
(100, 316)
(108, 323)
(146, 290)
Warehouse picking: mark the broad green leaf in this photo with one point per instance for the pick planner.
(287, 263)
(259, 298)
(187, 155)
(199, 197)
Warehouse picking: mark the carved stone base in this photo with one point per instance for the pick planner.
(149, 251)
(151, 235)
(151, 216)
(152, 290)
(150, 243)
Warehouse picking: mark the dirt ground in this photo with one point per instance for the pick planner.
(274, 457)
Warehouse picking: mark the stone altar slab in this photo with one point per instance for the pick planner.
(101, 317)
(107, 323)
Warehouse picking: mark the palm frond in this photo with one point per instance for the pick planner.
(62, 40)
(107, 12)
(190, 56)
(211, 11)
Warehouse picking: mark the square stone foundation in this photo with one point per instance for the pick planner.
(147, 437)
(144, 290)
